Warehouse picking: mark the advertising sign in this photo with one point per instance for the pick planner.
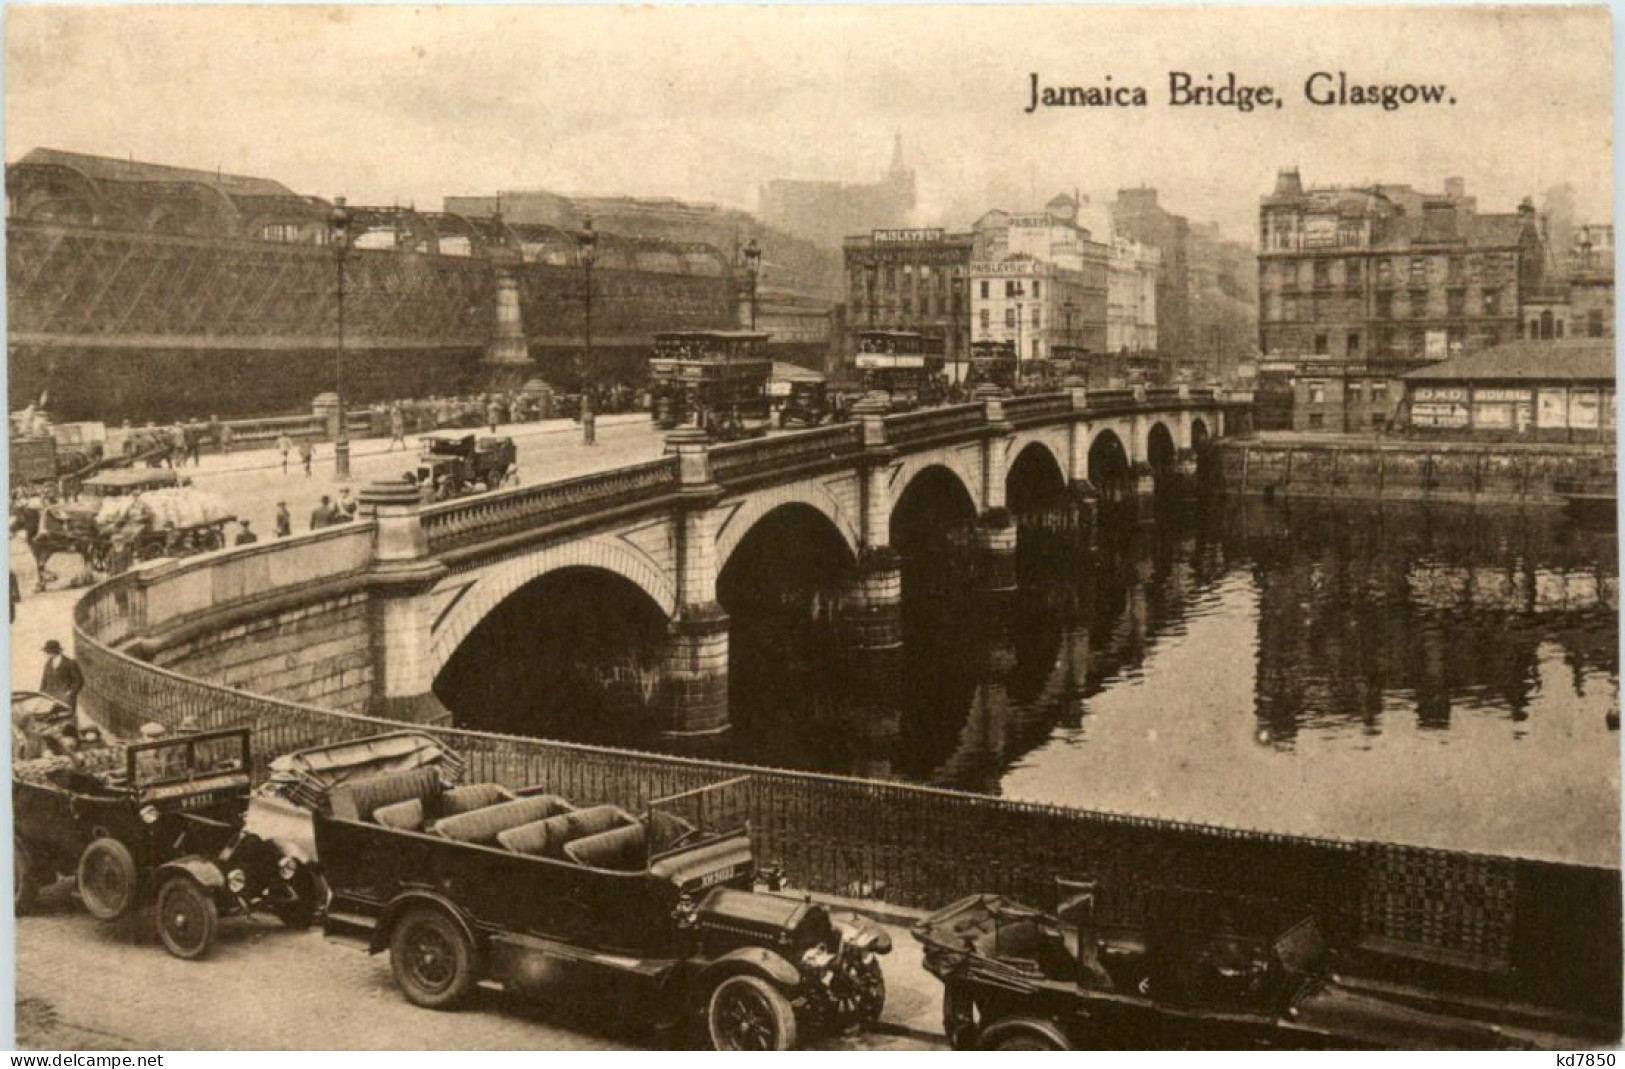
(1500, 395)
(1438, 414)
(1320, 230)
(1492, 415)
(1584, 409)
(1553, 409)
(889, 237)
(874, 361)
(1439, 393)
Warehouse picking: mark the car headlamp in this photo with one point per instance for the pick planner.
(149, 814)
(288, 868)
(871, 941)
(236, 881)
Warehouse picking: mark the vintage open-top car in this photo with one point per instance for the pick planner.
(160, 821)
(522, 888)
(1203, 971)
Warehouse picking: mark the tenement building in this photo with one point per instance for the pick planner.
(1388, 277)
(1139, 217)
(909, 279)
(1039, 280)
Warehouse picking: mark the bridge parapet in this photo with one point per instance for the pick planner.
(739, 462)
(1111, 400)
(1037, 408)
(928, 424)
(453, 525)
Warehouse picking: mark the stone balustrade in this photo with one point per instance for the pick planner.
(740, 461)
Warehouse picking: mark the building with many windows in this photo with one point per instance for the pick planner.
(1138, 216)
(1039, 280)
(1390, 278)
(1131, 296)
(910, 279)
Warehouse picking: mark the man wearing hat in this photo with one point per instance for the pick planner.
(61, 679)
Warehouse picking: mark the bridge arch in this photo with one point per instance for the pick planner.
(1199, 432)
(1110, 470)
(950, 463)
(602, 553)
(1036, 477)
(753, 508)
(1161, 448)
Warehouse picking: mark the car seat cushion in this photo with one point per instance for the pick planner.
(483, 825)
(360, 799)
(619, 849)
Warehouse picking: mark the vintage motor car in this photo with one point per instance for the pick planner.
(558, 902)
(160, 822)
(466, 464)
(1016, 978)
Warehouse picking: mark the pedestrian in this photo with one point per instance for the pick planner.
(16, 596)
(347, 506)
(493, 415)
(397, 427)
(61, 679)
(322, 515)
(192, 434)
(307, 453)
(245, 537)
(284, 520)
(284, 444)
(225, 437)
(214, 431)
(177, 445)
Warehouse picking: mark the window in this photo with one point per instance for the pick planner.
(1594, 323)
(1354, 343)
(1457, 269)
(1385, 306)
(1492, 302)
(986, 315)
(1320, 344)
(1419, 304)
(1010, 318)
(1355, 389)
(1379, 390)
(1317, 420)
(1419, 271)
(891, 278)
(1323, 273)
(1317, 393)
(908, 305)
(1036, 284)
(1038, 318)
(1351, 272)
(984, 289)
(1456, 300)
(1385, 272)
(1010, 289)
(1289, 308)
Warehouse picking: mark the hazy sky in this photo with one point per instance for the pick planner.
(390, 104)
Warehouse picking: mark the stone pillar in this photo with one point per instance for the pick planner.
(693, 700)
(872, 610)
(325, 409)
(507, 348)
(400, 582)
(995, 527)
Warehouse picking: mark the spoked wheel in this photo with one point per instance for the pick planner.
(748, 1013)
(432, 960)
(25, 882)
(107, 879)
(186, 917)
(1023, 1033)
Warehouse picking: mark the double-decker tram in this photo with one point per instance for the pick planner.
(714, 379)
(992, 362)
(905, 364)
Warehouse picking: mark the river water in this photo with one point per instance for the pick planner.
(1438, 677)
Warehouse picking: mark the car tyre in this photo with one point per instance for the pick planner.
(25, 882)
(107, 879)
(1023, 1033)
(432, 959)
(186, 918)
(746, 1012)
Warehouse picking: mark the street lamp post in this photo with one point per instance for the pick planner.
(338, 224)
(587, 242)
(753, 265)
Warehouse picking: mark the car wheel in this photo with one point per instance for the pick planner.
(107, 879)
(958, 1016)
(748, 1013)
(25, 882)
(1023, 1033)
(186, 918)
(432, 960)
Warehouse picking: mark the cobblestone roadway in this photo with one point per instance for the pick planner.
(82, 986)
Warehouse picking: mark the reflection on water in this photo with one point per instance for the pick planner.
(1435, 677)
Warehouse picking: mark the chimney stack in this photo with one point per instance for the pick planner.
(1288, 183)
(1455, 188)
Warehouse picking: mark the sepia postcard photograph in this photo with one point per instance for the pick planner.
(839, 527)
